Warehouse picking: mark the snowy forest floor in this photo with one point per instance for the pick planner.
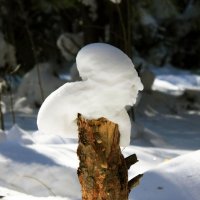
(35, 165)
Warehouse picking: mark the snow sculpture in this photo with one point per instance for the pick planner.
(110, 83)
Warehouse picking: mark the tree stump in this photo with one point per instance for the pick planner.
(103, 171)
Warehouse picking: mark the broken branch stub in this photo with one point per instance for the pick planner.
(102, 171)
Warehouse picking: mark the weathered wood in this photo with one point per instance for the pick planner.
(134, 182)
(131, 160)
(102, 172)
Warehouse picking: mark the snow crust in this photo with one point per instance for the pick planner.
(110, 83)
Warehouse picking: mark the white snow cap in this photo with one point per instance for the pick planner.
(110, 83)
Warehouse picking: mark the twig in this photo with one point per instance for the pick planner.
(131, 160)
(11, 99)
(123, 27)
(134, 182)
(1, 113)
(42, 183)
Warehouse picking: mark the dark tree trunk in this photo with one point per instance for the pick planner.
(120, 16)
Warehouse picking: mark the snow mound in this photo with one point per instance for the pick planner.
(18, 135)
(175, 179)
(169, 78)
(48, 170)
(110, 83)
(30, 88)
(39, 170)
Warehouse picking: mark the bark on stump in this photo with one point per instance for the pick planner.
(102, 172)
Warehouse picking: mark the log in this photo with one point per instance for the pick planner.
(102, 171)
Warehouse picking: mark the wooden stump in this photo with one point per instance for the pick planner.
(103, 171)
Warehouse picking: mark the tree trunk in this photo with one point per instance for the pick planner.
(120, 16)
(102, 172)
(1, 113)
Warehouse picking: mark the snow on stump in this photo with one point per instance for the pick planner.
(109, 84)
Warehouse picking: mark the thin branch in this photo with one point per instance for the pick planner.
(131, 160)
(11, 99)
(122, 26)
(100, 28)
(134, 182)
(42, 183)
(1, 113)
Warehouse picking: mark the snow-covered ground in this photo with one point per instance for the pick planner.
(34, 165)
(175, 80)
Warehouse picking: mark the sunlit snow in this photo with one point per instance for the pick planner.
(110, 83)
(37, 165)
